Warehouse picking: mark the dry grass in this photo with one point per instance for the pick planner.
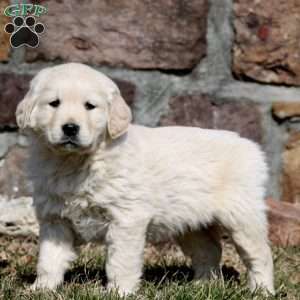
(167, 275)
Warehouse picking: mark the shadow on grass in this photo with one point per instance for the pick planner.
(155, 274)
(159, 274)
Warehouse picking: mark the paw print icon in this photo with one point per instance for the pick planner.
(24, 31)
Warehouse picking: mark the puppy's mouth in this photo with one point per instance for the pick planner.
(72, 146)
(69, 144)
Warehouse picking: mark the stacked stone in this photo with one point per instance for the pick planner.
(230, 64)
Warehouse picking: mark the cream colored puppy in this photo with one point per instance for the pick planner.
(98, 178)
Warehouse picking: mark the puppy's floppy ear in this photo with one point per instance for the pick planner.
(24, 111)
(119, 116)
(26, 106)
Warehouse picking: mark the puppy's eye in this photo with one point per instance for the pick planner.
(89, 106)
(55, 103)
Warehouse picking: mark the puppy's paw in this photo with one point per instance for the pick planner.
(121, 291)
(263, 289)
(45, 282)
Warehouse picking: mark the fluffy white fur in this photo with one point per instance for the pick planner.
(122, 184)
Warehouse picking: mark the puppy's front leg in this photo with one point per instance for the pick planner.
(125, 248)
(55, 254)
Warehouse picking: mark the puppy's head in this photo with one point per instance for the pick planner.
(72, 106)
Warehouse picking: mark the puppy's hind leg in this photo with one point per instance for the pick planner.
(55, 255)
(204, 248)
(251, 241)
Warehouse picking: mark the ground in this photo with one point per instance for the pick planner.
(167, 275)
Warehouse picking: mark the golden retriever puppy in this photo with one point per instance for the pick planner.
(99, 178)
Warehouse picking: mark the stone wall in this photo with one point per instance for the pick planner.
(230, 64)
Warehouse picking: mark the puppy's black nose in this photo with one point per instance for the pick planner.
(70, 129)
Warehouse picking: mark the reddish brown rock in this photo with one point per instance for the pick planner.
(189, 110)
(267, 37)
(291, 169)
(12, 90)
(284, 223)
(244, 118)
(127, 90)
(137, 34)
(13, 179)
(286, 110)
(202, 111)
(4, 37)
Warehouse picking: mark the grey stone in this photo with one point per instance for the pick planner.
(13, 177)
(7, 139)
(17, 216)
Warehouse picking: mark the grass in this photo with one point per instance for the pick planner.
(167, 275)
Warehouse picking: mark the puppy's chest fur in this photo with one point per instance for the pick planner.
(74, 195)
